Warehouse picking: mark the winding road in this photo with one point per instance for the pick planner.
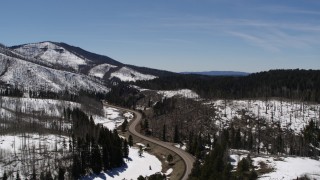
(186, 157)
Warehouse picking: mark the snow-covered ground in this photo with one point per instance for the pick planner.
(139, 88)
(187, 93)
(128, 74)
(18, 142)
(282, 167)
(100, 70)
(168, 172)
(20, 152)
(289, 167)
(47, 107)
(112, 118)
(291, 115)
(44, 112)
(135, 166)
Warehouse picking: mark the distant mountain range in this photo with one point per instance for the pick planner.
(219, 73)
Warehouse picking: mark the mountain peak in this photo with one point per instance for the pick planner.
(51, 53)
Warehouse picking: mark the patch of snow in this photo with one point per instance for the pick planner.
(169, 171)
(15, 143)
(139, 88)
(187, 93)
(135, 166)
(140, 144)
(181, 146)
(128, 74)
(128, 115)
(100, 70)
(112, 118)
(235, 158)
(290, 167)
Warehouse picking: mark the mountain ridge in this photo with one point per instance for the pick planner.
(91, 59)
(219, 73)
(58, 67)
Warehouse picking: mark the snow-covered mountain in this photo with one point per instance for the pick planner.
(30, 76)
(74, 59)
(51, 53)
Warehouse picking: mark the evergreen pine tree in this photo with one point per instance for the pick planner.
(130, 141)
(227, 171)
(233, 137)
(96, 162)
(5, 176)
(140, 152)
(76, 167)
(42, 176)
(34, 175)
(243, 165)
(176, 138)
(61, 173)
(125, 149)
(164, 133)
(196, 170)
(18, 176)
(124, 125)
(141, 178)
(253, 175)
(49, 176)
(238, 139)
(250, 141)
(146, 127)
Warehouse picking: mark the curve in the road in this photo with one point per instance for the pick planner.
(186, 157)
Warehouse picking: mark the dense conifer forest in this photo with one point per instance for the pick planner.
(292, 84)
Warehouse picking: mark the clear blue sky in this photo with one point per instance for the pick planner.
(175, 35)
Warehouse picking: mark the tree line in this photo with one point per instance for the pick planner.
(292, 84)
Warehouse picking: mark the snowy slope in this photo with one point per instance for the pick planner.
(16, 152)
(43, 112)
(128, 74)
(134, 167)
(282, 167)
(100, 70)
(187, 93)
(63, 56)
(27, 75)
(290, 167)
(47, 107)
(51, 53)
(112, 117)
(291, 115)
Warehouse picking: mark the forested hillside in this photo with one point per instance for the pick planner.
(292, 84)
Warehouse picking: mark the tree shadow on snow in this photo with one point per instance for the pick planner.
(112, 173)
(117, 171)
